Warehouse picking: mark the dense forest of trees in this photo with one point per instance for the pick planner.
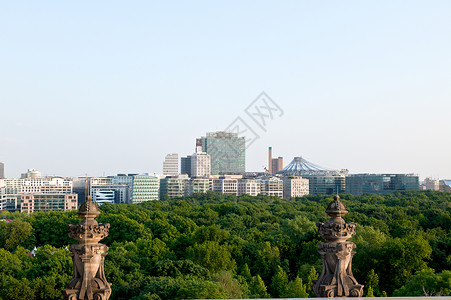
(220, 246)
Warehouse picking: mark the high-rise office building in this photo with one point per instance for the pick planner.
(171, 165)
(2, 170)
(185, 165)
(227, 152)
(200, 164)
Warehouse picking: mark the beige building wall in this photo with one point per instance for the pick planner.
(248, 187)
(272, 186)
(200, 164)
(295, 187)
(226, 186)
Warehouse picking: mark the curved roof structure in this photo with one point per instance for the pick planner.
(299, 166)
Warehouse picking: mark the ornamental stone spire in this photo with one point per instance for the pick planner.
(336, 279)
(88, 281)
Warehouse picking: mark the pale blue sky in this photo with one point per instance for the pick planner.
(102, 87)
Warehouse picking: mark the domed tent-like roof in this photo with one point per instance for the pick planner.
(299, 166)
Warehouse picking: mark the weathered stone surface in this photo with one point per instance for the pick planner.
(88, 281)
(336, 279)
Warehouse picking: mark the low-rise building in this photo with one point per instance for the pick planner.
(358, 184)
(174, 186)
(46, 202)
(198, 185)
(225, 185)
(295, 186)
(271, 186)
(249, 187)
(144, 188)
(10, 202)
(111, 193)
(432, 184)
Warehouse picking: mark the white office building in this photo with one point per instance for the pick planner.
(225, 185)
(248, 187)
(271, 186)
(200, 164)
(295, 186)
(198, 185)
(171, 165)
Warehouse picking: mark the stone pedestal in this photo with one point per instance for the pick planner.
(336, 279)
(88, 281)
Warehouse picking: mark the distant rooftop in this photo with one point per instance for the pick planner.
(299, 166)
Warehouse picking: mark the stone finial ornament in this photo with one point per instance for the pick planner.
(336, 279)
(88, 281)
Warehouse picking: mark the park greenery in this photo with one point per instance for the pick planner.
(222, 246)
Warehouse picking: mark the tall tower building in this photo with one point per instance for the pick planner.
(200, 164)
(171, 165)
(227, 152)
(2, 170)
(185, 165)
(270, 160)
(275, 165)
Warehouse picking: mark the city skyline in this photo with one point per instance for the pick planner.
(363, 86)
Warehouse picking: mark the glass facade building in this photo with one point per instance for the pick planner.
(145, 188)
(199, 185)
(185, 165)
(174, 186)
(142, 188)
(227, 152)
(47, 202)
(322, 181)
(359, 184)
(111, 193)
(327, 184)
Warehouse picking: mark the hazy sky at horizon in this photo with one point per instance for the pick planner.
(106, 87)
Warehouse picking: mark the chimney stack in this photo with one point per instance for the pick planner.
(270, 160)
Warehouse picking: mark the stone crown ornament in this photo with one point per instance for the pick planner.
(88, 281)
(336, 279)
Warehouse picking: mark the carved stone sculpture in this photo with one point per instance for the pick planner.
(88, 281)
(336, 279)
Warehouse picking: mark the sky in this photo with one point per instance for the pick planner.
(106, 87)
